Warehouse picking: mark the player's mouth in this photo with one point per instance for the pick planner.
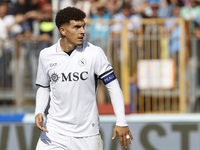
(80, 38)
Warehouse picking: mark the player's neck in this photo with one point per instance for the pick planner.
(67, 46)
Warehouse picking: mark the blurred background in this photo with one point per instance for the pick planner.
(153, 46)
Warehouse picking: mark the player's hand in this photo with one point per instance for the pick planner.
(39, 122)
(122, 132)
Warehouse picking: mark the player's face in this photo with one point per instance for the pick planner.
(74, 32)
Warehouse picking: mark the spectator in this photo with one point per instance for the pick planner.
(46, 24)
(173, 31)
(197, 30)
(41, 34)
(9, 23)
(116, 28)
(154, 8)
(43, 2)
(41, 22)
(84, 5)
(152, 30)
(166, 7)
(137, 5)
(192, 12)
(3, 30)
(100, 31)
(9, 27)
(32, 4)
(14, 6)
(125, 14)
(145, 9)
(23, 6)
(114, 6)
(95, 4)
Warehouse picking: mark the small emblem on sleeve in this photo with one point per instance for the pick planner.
(82, 62)
(108, 78)
(54, 77)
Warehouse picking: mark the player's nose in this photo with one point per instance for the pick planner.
(83, 30)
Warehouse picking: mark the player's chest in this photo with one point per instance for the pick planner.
(66, 69)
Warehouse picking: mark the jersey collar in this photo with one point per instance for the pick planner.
(58, 48)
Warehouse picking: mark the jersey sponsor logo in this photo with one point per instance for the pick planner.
(109, 78)
(53, 64)
(74, 76)
(82, 62)
(54, 77)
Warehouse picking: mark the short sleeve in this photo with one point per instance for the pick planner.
(103, 68)
(42, 76)
(102, 64)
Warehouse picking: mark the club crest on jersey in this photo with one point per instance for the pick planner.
(54, 77)
(82, 62)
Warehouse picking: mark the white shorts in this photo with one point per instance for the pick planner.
(56, 141)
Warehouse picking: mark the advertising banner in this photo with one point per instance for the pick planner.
(150, 132)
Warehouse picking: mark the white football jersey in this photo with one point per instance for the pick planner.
(73, 81)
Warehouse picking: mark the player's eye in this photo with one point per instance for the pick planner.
(77, 27)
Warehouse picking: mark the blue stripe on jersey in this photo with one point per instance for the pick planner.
(109, 78)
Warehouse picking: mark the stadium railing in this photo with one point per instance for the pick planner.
(151, 73)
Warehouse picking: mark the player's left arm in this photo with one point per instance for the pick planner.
(117, 100)
(104, 71)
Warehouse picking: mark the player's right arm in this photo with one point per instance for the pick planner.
(42, 98)
(42, 95)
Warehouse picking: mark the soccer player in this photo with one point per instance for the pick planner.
(68, 72)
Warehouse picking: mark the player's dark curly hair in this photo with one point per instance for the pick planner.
(69, 13)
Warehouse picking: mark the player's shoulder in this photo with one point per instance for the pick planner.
(48, 50)
(91, 47)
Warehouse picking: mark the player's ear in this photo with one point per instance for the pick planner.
(62, 31)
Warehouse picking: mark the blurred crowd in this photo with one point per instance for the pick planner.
(24, 19)
(32, 19)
